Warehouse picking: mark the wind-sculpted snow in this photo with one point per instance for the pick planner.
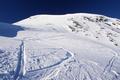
(9, 58)
(61, 47)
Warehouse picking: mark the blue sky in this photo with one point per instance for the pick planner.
(15, 10)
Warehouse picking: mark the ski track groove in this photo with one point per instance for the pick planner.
(19, 65)
(109, 65)
(20, 70)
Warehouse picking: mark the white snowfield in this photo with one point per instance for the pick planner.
(61, 47)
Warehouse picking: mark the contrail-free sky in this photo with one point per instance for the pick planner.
(15, 10)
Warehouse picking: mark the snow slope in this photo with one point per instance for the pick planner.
(93, 26)
(62, 47)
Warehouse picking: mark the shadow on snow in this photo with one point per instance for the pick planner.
(8, 30)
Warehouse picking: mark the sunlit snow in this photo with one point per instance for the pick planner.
(61, 47)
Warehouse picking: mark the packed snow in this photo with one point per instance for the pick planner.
(77, 46)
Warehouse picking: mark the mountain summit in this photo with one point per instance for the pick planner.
(93, 26)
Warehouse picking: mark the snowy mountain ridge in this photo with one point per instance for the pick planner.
(77, 46)
(89, 25)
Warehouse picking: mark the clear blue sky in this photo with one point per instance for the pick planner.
(15, 10)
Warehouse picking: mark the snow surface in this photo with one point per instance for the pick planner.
(61, 47)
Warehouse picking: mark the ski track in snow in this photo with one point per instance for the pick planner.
(20, 70)
(56, 71)
(19, 64)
